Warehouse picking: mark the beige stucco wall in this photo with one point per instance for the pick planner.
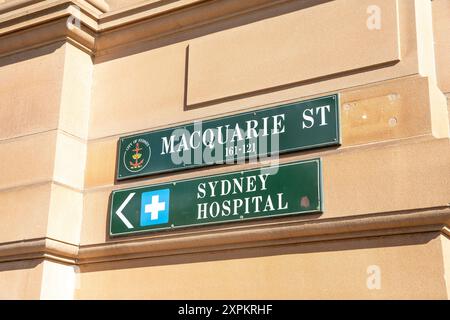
(441, 15)
(20, 279)
(446, 254)
(65, 103)
(327, 270)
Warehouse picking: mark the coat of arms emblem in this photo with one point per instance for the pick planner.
(136, 155)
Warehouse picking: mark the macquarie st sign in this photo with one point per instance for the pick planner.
(262, 133)
(287, 189)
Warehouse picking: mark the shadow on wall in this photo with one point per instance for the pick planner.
(217, 26)
(274, 250)
(187, 107)
(30, 54)
(20, 265)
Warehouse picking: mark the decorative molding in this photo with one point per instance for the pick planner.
(42, 248)
(42, 24)
(31, 6)
(99, 4)
(269, 233)
(30, 23)
(446, 231)
(118, 29)
(234, 236)
(14, 5)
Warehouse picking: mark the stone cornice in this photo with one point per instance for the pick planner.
(29, 23)
(30, 5)
(147, 23)
(42, 248)
(234, 236)
(42, 23)
(15, 5)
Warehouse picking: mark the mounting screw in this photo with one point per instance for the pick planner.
(393, 96)
(392, 122)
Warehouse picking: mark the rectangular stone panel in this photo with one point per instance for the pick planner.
(391, 110)
(27, 160)
(30, 91)
(24, 212)
(284, 49)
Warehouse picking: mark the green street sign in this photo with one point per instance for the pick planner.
(271, 191)
(302, 125)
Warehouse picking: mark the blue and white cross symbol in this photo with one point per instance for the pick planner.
(155, 207)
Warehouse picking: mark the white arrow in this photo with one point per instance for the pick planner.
(120, 214)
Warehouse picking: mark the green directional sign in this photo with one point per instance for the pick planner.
(271, 191)
(296, 126)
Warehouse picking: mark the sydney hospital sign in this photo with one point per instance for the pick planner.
(273, 190)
